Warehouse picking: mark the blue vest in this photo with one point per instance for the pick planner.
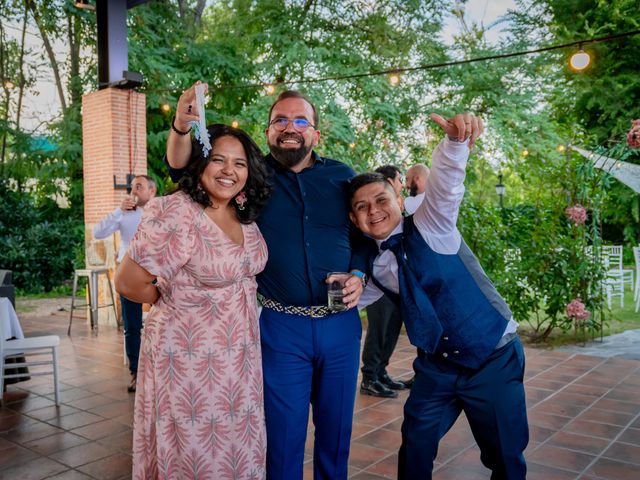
(461, 304)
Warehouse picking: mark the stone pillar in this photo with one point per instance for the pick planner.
(114, 139)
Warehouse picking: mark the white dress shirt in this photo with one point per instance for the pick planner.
(435, 218)
(126, 221)
(411, 204)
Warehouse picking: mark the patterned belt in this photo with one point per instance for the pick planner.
(314, 312)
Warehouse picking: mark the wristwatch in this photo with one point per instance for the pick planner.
(361, 275)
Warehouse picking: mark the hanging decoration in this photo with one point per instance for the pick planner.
(200, 126)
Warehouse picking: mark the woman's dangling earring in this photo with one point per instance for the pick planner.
(241, 199)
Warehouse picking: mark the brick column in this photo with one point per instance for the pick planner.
(114, 139)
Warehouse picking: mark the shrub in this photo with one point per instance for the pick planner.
(40, 243)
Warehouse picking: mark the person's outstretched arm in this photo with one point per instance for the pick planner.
(179, 144)
(437, 216)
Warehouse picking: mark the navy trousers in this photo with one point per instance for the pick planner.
(132, 320)
(309, 360)
(384, 325)
(492, 399)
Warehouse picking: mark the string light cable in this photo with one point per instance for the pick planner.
(398, 70)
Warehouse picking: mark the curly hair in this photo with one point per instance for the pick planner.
(258, 187)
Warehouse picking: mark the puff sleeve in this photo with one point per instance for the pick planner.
(163, 243)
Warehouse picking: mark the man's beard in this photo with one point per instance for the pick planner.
(289, 157)
(413, 190)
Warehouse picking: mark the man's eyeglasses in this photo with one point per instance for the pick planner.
(299, 124)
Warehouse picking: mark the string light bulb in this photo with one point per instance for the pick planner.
(235, 124)
(270, 89)
(352, 145)
(8, 84)
(561, 148)
(579, 60)
(525, 152)
(394, 79)
(165, 107)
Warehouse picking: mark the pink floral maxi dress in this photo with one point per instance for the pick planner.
(199, 405)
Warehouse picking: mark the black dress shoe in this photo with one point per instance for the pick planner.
(376, 389)
(409, 383)
(389, 382)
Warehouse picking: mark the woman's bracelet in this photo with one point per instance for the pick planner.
(179, 132)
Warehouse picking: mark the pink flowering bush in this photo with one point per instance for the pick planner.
(576, 214)
(633, 137)
(577, 311)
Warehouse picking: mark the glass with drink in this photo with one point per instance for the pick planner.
(336, 283)
(134, 199)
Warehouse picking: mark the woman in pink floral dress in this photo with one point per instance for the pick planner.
(199, 406)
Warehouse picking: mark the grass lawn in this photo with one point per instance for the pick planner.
(618, 320)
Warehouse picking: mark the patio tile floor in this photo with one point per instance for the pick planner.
(584, 416)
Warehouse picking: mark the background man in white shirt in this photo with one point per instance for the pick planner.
(126, 219)
(416, 183)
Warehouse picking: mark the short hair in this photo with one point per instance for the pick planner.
(295, 94)
(389, 171)
(420, 169)
(150, 181)
(258, 187)
(367, 178)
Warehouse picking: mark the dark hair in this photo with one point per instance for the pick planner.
(295, 94)
(389, 171)
(258, 187)
(359, 181)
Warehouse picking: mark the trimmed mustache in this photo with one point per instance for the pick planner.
(290, 136)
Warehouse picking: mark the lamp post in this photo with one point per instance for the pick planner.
(500, 188)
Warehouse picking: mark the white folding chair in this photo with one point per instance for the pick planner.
(612, 282)
(512, 256)
(614, 252)
(30, 346)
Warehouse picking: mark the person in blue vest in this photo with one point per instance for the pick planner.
(469, 355)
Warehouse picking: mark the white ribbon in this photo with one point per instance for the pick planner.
(200, 126)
